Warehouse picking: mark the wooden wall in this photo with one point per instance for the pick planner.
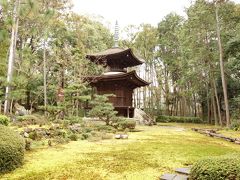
(123, 93)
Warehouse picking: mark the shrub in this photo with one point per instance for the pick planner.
(31, 119)
(74, 120)
(85, 136)
(105, 128)
(127, 123)
(98, 136)
(235, 125)
(59, 140)
(179, 119)
(106, 136)
(73, 137)
(36, 135)
(60, 133)
(28, 144)
(87, 130)
(4, 120)
(11, 149)
(221, 168)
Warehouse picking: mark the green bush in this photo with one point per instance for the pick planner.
(85, 136)
(87, 130)
(235, 125)
(179, 119)
(127, 123)
(35, 135)
(74, 120)
(73, 137)
(4, 120)
(220, 168)
(31, 119)
(59, 140)
(100, 135)
(11, 149)
(105, 128)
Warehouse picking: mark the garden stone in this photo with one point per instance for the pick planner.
(124, 136)
(174, 177)
(185, 171)
(28, 130)
(75, 128)
(20, 110)
(237, 142)
(168, 177)
(121, 136)
(118, 136)
(26, 135)
(143, 118)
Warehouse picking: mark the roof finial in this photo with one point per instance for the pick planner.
(116, 35)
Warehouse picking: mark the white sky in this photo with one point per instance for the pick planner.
(131, 11)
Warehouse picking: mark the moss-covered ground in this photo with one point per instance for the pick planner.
(147, 154)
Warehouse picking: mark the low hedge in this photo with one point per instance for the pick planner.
(179, 119)
(4, 120)
(127, 123)
(220, 168)
(11, 149)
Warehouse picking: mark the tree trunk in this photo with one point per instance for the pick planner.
(11, 55)
(28, 104)
(224, 84)
(195, 105)
(217, 102)
(45, 78)
(208, 109)
(166, 94)
(11, 106)
(214, 110)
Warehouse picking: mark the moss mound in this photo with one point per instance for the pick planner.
(221, 168)
(11, 149)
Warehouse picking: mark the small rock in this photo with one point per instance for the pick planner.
(237, 142)
(28, 130)
(55, 126)
(75, 128)
(118, 136)
(124, 136)
(26, 135)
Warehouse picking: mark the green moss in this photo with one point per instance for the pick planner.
(145, 155)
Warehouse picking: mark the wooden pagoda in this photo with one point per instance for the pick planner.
(117, 80)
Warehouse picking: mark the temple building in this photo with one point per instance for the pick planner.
(117, 80)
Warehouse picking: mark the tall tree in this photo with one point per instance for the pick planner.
(12, 50)
(224, 83)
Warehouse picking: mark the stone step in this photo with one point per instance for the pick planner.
(185, 171)
(174, 177)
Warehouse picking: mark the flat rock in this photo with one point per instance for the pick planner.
(121, 136)
(185, 171)
(174, 177)
(181, 177)
(237, 142)
(124, 136)
(168, 176)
